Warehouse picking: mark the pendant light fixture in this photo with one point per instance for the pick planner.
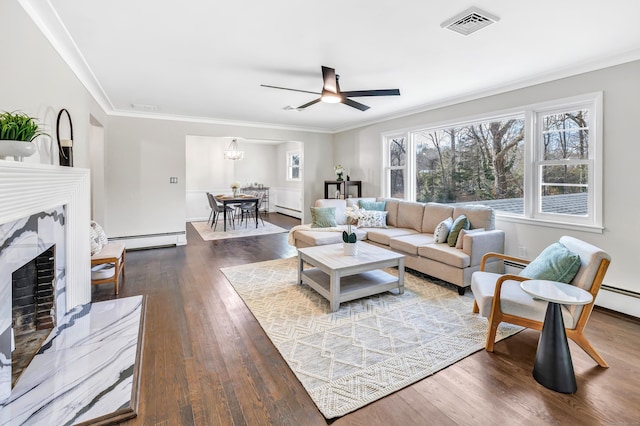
(233, 151)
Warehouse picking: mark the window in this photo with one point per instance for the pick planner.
(294, 165)
(563, 163)
(542, 162)
(396, 165)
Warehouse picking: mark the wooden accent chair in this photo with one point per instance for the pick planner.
(500, 298)
(111, 253)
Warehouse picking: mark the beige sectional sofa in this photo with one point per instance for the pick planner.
(410, 231)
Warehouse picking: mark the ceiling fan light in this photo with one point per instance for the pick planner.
(233, 152)
(330, 97)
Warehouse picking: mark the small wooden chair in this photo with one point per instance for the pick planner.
(111, 253)
(500, 298)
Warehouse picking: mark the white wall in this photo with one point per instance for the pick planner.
(143, 153)
(287, 195)
(34, 79)
(621, 88)
(208, 171)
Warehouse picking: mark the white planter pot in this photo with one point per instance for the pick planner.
(350, 249)
(16, 149)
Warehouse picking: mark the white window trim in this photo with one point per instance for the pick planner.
(289, 168)
(386, 175)
(593, 101)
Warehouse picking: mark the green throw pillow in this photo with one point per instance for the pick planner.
(323, 217)
(460, 223)
(373, 205)
(555, 263)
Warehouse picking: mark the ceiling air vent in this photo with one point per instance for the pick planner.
(470, 21)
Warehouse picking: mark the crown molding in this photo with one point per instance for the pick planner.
(48, 21)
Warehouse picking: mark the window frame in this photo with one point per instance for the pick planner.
(532, 152)
(387, 167)
(289, 161)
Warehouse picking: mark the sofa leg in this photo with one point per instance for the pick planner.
(461, 290)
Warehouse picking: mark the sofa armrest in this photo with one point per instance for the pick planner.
(476, 244)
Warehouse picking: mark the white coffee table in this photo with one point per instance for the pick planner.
(340, 278)
(553, 367)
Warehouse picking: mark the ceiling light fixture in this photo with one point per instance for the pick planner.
(330, 97)
(233, 151)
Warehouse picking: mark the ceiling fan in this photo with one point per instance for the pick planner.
(331, 92)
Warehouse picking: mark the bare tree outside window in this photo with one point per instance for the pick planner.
(475, 162)
(397, 166)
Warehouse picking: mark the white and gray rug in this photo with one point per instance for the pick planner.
(370, 347)
(208, 234)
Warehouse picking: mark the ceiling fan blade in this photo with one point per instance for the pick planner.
(286, 88)
(382, 92)
(315, 101)
(330, 80)
(354, 104)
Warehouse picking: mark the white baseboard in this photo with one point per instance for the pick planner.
(289, 212)
(618, 302)
(150, 241)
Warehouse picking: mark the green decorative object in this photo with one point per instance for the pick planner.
(339, 177)
(17, 131)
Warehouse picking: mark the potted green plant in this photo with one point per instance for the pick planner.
(17, 131)
(349, 237)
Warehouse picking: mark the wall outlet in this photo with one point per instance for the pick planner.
(173, 179)
(522, 252)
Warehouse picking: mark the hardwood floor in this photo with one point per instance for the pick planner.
(206, 360)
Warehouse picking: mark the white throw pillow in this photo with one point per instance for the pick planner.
(463, 232)
(100, 232)
(96, 245)
(442, 230)
(373, 219)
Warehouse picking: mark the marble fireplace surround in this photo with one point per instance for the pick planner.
(33, 189)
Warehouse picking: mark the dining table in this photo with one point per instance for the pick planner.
(238, 199)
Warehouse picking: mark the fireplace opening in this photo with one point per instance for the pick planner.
(33, 308)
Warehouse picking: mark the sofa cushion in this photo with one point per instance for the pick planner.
(410, 215)
(373, 219)
(443, 253)
(435, 213)
(320, 238)
(442, 231)
(410, 243)
(340, 206)
(479, 216)
(463, 232)
(383, 235)
(459, 223)
(391, 206)
(323, 217)
(555, 263)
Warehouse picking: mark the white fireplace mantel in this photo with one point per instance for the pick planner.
(27, 188)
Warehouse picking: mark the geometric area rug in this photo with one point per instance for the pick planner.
(209, 234)
(370, 347)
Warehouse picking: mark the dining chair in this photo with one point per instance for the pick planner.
(212, 206)
(248, 210)
(218, 209)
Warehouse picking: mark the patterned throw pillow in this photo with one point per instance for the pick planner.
(96, 245)
(442, 230)
(323, 217)
(373, 205)
(463, 232)
(101, 235)
(555, 263)
(461, 222)
(373, 219)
